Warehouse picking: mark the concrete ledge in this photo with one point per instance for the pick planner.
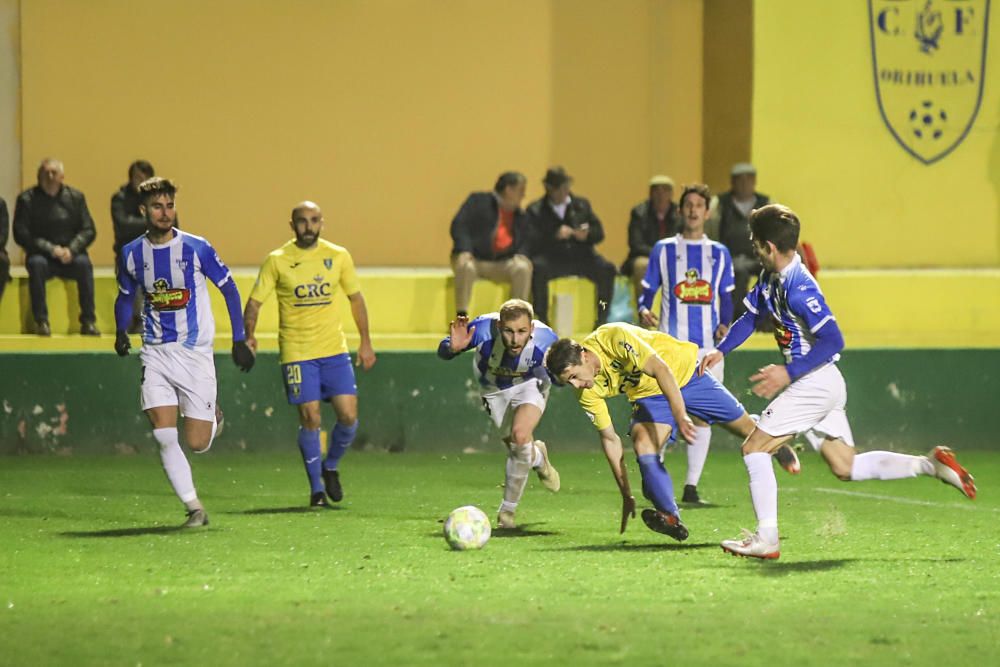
(409, 309)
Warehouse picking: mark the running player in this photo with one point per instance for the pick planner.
(170, 268)
(514, 387)
(657, 374)
(813, 396)
(306, 274)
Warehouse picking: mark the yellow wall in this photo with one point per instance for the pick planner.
(728, 90)
(821, 146)
(385, 112)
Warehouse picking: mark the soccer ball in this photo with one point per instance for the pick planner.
(928, 121)
(467, 527)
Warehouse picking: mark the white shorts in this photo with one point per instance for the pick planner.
(815, 405)
(174, 375)
(718, 370)
(497, 403)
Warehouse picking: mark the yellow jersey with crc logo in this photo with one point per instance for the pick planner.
(307, 284)
(623, 350)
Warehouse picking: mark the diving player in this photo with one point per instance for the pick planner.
(514, 388)
(170, 268)
(657, 374)
(307, 274)
(813, 396)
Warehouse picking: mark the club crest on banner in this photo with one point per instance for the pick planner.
(929, 65)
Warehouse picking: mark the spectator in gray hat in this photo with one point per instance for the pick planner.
(651, 220)
(729, 223)
(564, 232)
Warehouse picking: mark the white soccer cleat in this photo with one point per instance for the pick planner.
(505, 520)
(948, 470)
(547, 474)
(751, 546)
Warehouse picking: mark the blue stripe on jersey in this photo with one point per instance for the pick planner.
(161, 269)
(187, 255)
(668, 287)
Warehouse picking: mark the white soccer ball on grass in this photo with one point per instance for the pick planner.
(467, 527)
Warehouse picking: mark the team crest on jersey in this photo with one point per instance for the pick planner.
(694, 289)
(166, 298)
(328, 263)
(929, 64)
(782, 334)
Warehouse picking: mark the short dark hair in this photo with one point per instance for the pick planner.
(512, 309)
(776, 223)
(143, 167)
(155, 186)
(508, 179)
(562, 354)
(698, 189)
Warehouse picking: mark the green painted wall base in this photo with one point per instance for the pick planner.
(86, 403)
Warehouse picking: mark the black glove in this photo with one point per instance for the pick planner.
(243, 355)
(122, 344)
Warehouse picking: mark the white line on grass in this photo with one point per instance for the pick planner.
(907, 501)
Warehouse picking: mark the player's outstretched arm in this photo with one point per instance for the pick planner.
(657, 368)
(459, 338)
(612, 445)
(366, 353)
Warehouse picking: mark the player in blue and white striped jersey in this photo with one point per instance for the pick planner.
(813, 395)
(510, 350)
(694, 276)
(170, 267)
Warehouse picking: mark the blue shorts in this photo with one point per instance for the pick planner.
(705, 398)
(319, 379)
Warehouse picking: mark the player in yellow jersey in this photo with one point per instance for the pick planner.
(658, 374)
(307, 274)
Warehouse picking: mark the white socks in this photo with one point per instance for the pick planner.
(764, 494)
(176, 465)
(889, 465)
(519, 464)
(697, 452)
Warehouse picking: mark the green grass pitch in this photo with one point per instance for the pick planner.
(93, 573)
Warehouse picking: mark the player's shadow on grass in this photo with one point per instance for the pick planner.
(524, 530)
(629, 546)
(777, 568)
(124, 532)
(288, 510)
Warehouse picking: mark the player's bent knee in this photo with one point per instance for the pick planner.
(521, 436)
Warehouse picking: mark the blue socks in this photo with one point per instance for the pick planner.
(656, 483)
(312, 457)
(341, 438)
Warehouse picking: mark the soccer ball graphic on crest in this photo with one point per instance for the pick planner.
(467, 527)
(928, 121)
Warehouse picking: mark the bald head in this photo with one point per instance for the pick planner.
(305, 207)
(50, 175)
(307, 223)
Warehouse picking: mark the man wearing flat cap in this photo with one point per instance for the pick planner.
(729, 223)
(564, 232)
(651, 220)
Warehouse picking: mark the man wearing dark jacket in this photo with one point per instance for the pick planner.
(650, 220)
(564, 232)
(53, 225)
(130, 224)
(4, 233)
(490, 239)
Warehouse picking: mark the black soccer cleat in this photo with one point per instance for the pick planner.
(691, 496)
(331, 478)
(318, 499)
(195, 519)
(667, 524)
